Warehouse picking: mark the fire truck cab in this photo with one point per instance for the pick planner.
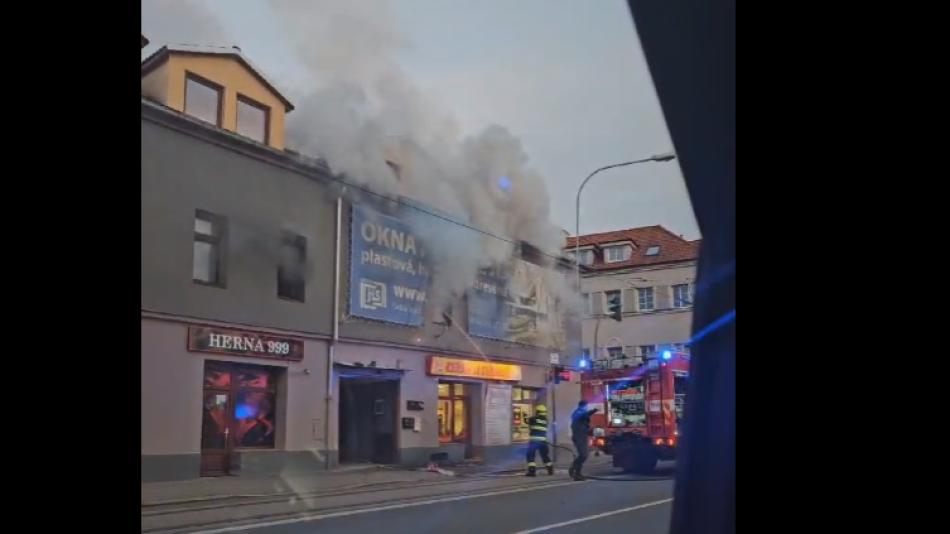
(639, 410)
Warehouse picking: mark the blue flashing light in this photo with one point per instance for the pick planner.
(583, 363)
(667, 354)
(504, 183)
(244, 411)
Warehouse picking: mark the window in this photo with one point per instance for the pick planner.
(646, 351)
(452, 412)
(653, 251)
(586, 257)
(626, 405)
(615, 352)
(203, 99)
(588, 304)
(291, 279)
(681, 296)
(252, 119)
(239, 406)
(645, 298)
(522, 407)
(207, 264)
(617, 253)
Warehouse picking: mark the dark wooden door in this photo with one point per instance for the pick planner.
(216, 442)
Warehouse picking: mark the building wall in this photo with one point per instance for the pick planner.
(664, 325)
(155, 84)
(171, 398)
(415, 448)
(182, 173)
(188, 166)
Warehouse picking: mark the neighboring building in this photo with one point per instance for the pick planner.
(249, 363)
(653, 271)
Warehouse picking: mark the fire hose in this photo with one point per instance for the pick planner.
(609, 479)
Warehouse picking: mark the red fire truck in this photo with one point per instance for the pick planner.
(640, 410)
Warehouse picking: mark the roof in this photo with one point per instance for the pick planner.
(673, 248)
(159, 57)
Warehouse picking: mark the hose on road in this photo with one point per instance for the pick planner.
(611, 479)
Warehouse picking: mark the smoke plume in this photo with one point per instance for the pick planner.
(365, 111)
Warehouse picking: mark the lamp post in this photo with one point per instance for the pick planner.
(577, 219)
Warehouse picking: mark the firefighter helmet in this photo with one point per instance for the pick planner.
(541, 409)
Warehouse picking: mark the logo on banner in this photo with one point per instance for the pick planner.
(372, 295)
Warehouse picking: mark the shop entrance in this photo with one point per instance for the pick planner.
(368, 409)
(238, 411)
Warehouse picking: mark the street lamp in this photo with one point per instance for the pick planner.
(669, 156)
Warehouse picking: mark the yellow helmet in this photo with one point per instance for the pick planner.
(541, 409)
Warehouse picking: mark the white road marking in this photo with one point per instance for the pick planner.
(317, 517)
(595, 516)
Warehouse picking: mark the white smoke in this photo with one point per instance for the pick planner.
(364, 110)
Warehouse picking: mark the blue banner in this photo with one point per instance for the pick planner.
(488, 307)
(388, 275)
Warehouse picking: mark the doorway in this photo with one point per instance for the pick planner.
(238, 412)
(368, 417)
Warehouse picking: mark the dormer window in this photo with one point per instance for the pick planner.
(586, 257)
(617, 253)
(203, 99)
(252, 119)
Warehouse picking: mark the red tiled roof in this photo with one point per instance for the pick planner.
(673, 248)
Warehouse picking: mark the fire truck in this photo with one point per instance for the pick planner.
(640, 409)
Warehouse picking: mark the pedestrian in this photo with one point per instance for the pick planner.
(580, 429)
(538, 440)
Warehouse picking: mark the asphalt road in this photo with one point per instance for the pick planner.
(556, 505)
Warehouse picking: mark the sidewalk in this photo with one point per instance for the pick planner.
(336, 480)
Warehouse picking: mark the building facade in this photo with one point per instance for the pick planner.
(653, 272)
(285, 322)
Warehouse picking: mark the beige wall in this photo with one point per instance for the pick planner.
(665, 325)
(172, 392)
(166, 84)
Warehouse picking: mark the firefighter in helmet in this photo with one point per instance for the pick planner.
(538, 440)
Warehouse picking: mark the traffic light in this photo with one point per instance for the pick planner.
(614, 310)
(561, 374)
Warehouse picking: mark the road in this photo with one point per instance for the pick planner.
(548, 504)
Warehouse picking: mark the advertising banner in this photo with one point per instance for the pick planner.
(388, 275)
(513, 304)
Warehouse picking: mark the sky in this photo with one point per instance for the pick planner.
(567, 77)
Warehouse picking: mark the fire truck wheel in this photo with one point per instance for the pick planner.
(642, 460)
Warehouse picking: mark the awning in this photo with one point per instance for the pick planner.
(353, 370)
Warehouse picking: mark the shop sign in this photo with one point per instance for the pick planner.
(240, 343)
(441, 366)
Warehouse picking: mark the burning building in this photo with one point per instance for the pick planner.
(297, 314)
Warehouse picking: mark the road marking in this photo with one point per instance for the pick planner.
(317, 517)
(592, 517)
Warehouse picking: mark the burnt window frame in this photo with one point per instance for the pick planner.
(299, 242)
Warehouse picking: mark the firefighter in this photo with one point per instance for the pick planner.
(538, 440)
(580, 429)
